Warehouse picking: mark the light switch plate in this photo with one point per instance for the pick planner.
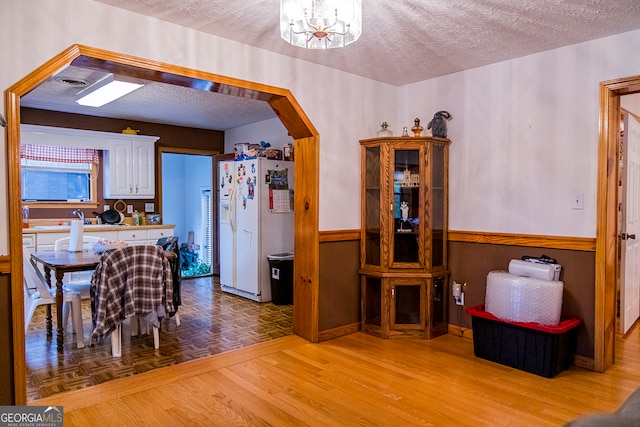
(106, 208)
(149, 207)
(577, 201)
(129, 209)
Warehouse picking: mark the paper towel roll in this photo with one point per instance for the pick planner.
(534, 269)
(76, 236)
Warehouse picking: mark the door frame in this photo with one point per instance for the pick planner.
(606, 267)
(306, 184)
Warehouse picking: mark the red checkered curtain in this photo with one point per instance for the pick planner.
(50, 153)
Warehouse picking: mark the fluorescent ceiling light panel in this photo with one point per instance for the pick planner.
(108, 93)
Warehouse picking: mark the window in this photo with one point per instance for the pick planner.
(58, 174)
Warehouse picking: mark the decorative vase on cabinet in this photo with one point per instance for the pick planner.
(403, 266)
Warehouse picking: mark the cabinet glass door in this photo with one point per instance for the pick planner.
(406, 206)
(372, 310)
(372, 206)
(438, 206)
(408, 303)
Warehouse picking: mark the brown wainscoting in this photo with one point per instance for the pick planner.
(7, 395)
(472, 255)
(470, 263)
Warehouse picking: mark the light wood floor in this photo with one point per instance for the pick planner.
(353, 380)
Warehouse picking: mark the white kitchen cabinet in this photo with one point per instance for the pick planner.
(157, 233)
(129, 168)
(29, 241)
(133, 236)
(46, 241)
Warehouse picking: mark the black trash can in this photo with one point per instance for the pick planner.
(281, 268)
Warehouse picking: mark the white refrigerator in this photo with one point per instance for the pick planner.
(256, 220)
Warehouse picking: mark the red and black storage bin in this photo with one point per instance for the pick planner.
(531, 347)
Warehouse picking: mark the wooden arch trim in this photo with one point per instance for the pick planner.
(306, 175)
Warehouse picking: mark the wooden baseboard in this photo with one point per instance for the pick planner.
(339, 331)
(460, 331)
(584, 362)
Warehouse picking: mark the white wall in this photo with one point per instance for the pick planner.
(524, 136)
(343, 107)
(183, 178)
(524, 131)
(271, 131)
(173, 195)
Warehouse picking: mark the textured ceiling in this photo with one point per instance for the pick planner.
(407, 41)
(402, 42)
(154, 102)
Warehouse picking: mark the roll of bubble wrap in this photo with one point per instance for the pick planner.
(523, 299)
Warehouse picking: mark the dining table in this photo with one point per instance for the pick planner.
(61, 262)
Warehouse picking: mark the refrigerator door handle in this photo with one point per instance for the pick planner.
(232, 208)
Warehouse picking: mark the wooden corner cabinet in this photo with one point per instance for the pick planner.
(403, 245)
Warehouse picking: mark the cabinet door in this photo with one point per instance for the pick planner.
(408, 304)
(143, 185)
(134, 237)
(408, 211)
(438, 214)
(129, 170)
(118, 178)
(371, 239)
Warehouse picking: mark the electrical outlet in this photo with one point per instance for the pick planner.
(457, 289)
(106, 208)
(129, 209)
(149, 207)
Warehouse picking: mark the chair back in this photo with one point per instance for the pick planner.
(33, 278)
(87, 243)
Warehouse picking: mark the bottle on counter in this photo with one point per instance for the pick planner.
(136, 218)
(25, 216)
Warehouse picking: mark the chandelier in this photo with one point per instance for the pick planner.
(320, 24)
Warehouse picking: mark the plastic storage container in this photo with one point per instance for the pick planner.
(531, 347)
(281, 267)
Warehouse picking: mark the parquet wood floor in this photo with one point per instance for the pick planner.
(212, 322)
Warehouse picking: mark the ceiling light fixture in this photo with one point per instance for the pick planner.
(111, 91)
(320, 24)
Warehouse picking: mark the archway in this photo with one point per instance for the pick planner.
(286, 108)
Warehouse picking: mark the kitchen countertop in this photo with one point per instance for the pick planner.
(94, 227)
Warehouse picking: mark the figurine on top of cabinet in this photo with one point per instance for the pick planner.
(417, 129)
(438, 125)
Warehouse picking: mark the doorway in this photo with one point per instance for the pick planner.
(606, 265)
(306, 209)
(186, 200)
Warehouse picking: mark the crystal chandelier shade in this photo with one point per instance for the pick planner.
(320, 24)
